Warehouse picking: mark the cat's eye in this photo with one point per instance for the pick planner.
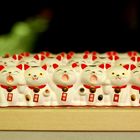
(113, 73)
(135, 71)
(22, 61)
(59, 70)
(41, 74)
(123, 73)
(120, 64)
(96, 62)
(4, 71)
(33, 61)
(29, 74)
(100, 71)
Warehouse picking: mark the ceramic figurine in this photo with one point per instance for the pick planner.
(93, 78)
(10, 60)
(119, 85)
(11, 81)
(37, 81)
(64, 78)
(135, 87)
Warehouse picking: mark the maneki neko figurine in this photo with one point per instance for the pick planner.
(64, 78)
(119, 88)
(40, 93)
(12, 82)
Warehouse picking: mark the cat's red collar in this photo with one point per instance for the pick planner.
(61, 86)
(40, 87)
(135, 87)
(6, 87)
(89, 87)
(124, 86)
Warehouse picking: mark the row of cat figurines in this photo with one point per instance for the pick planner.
(69, 58)
(94, 85)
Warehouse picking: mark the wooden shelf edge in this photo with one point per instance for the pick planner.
(70, 119)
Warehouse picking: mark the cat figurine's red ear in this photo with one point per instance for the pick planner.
(17, 57)
(112, 53)
(26, 54)
(126, 66)
(85, 56)
(44, 67)
(59, 57)
(37, 57)
(74, 65)
(55, 65)
(71, 53)
(131, 67)
(94, 57)
(69, 57)
(135, 59)
(104, 66)
(107, 66)
(113, 57)
(132, 53)
(23, 66)
(46, 54)
(1, 67)
(83, 66)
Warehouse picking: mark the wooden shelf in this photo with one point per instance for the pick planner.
(70, 119)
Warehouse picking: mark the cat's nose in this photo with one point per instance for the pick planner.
(117, 75)
(10, 72)
(34, 75)
(65, 71)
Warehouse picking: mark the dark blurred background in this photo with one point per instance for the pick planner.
(79, 25)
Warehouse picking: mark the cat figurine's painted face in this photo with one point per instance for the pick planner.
(11, 76)
(64, 75)
(135, 76)
(102, 60)
(36, 76)
(77, 60)
(118, 75)
(123, 62)
(8, 61)
(50, 61)
(31, 61)
(93, 75)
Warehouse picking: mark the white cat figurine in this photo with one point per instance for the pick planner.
(119, 88)
(10, 60)
(135, 87)
(93, 77)
(37, 80)
(64, 78)
(12, 84)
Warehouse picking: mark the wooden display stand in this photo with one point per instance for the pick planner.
(70, 119)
